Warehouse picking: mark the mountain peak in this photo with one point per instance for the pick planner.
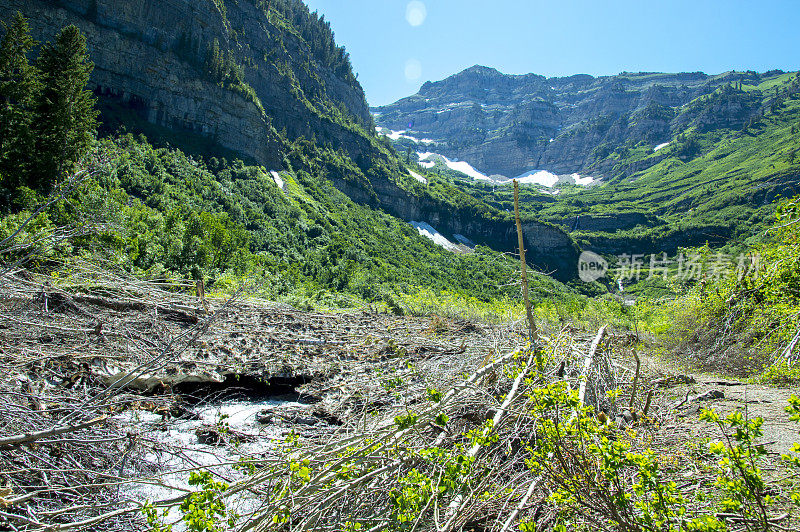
(480, 69)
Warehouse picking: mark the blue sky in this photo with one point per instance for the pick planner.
(396, 45)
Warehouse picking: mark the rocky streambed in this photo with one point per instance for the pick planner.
(149, 385)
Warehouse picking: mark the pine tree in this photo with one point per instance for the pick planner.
(66, 118)
(19, 85)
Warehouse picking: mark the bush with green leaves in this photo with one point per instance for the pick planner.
(203, 510)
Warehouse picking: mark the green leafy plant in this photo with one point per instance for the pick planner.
(740, 478)
(794, 460)
(599, 476)
(204, 510)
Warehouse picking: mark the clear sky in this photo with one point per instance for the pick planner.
(396, 45)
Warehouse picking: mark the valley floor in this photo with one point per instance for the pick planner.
(117, 390)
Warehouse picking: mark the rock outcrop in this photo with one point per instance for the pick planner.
(149, 58)
(151, 62)
(510, 124)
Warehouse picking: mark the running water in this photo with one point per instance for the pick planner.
(174, 449)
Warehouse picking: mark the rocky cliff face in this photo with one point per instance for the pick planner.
(509, 124)
(549, 248)
(149, 59)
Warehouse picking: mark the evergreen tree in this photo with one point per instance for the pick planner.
(66, 117)
(19, 84)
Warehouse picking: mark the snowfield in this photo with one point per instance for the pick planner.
(538, 177)
(426, 230)
(429, 159)
(418, 177)
(278, 180)
(583, 181)
(397, 135)
(660, 146)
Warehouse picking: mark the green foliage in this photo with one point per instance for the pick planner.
(599, 476)
(317, 33)
(66, 118)
(19, 86)
(794, 459)
(740, 479)
(203, 510)
(47, 117)
(405, 421)
(749, 319)
(610, 480)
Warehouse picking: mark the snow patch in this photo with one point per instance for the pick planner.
(538, 177)
(542, 178)
(278, 180)
(438, 238)
(428, 160)
(397, 135)
(464, 245)
(660, 146)
(583, 181)
(418, 177)
(465, 168)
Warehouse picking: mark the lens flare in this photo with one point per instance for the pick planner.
(416, 13)
(413, 70)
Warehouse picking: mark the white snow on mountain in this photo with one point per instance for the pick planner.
(465, 168)
(438, 238)
(418, 177)
(429, 159)
(538, 177)
(278, 180)
(660, 146)
(583, 181)
(397, 135)
(541, 178)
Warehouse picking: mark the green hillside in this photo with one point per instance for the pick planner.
(710, 183)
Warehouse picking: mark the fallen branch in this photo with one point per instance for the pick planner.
(587, 363)
(455, 505)
(21, 439)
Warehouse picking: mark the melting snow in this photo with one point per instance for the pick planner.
(175, 448)
(278, 180)
(465, 168)
(583, 181)
(397, 135)
(538, 177)
(418, 177)
(534, 177)
(428, 160)
(439, 239)
(661, 146)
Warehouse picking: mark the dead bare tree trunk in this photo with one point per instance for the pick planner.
(525, 294)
